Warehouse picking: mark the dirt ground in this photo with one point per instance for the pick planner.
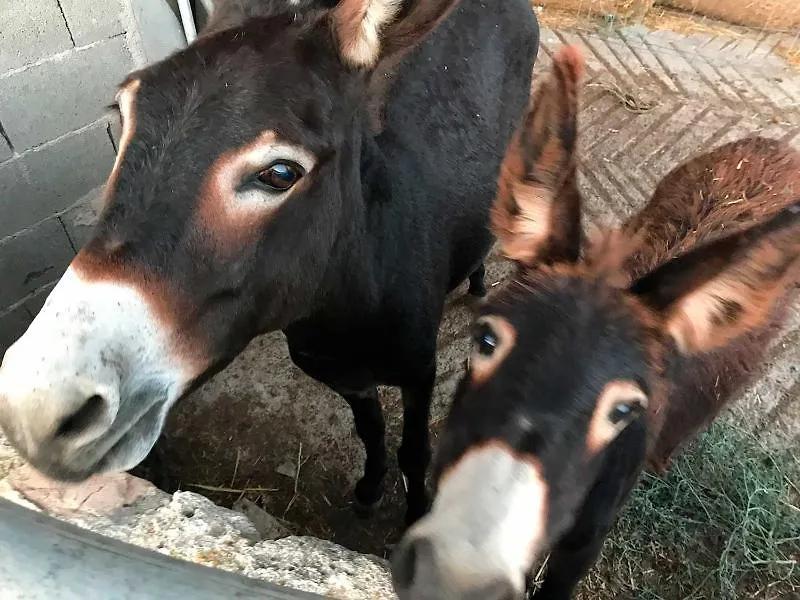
(765, 15)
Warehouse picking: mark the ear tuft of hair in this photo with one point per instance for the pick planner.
(358, 25)
(722, 289)
(536, 214)
(570, 60)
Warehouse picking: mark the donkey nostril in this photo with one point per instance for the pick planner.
(82, 419)
(404, 564)
(498, 589)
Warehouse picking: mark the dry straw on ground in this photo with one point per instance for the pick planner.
(762, 14)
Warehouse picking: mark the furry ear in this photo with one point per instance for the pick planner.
(718, 291)
(358, 25)
(368, 31)
(536, 214)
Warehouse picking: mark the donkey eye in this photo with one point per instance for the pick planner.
(493, 338)
(624, 412)
(281, 175)
(485, 341)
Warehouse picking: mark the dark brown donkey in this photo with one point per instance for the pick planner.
(586, 367)
(252, 193)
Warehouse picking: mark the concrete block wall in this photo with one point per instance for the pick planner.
(60, 63)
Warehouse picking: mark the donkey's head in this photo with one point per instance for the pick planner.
(566, 359)
(238, 176)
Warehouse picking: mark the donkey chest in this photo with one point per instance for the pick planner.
(352, 361)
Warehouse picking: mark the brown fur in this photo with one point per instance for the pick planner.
(169, 306)
(538, 201)
(721, 193)
(698, 387)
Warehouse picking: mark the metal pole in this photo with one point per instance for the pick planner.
(187, 17)
(42, 558)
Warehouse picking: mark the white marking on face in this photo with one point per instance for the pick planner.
(619, 403)
(90, 338)
(503, 335)
(488, 519)
(227, 182)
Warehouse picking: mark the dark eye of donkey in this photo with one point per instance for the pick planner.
(280, 176)
(485, 340)
(625, 411)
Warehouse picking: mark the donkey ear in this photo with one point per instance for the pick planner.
(536, 214)
(723, 289)
(370, 30)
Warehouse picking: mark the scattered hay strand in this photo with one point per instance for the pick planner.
(231, 490)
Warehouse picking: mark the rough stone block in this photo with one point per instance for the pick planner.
(56, 97)
(33, 259)
(29, 31)
(12, 325)
(49, 180)
(92, 21)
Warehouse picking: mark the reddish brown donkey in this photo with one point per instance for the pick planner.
(588, 365)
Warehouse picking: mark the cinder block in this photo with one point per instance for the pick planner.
(115, 128)
(15, 190)
(56, 97)
(29, 31)
(159, 28)
(50, 180)
(5, 151)
(92, 21)
(81, 218)
(35, 303)
(33, 259)
(12, 325)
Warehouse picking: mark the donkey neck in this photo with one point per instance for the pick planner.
(357, 275)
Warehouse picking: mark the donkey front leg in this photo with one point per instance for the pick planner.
(414, 455)
(370, 427)
(477, 282)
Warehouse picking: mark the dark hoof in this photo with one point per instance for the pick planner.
(388, 550)
(477, 282)
(414, 514)
(367, 511)
(478, 292)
